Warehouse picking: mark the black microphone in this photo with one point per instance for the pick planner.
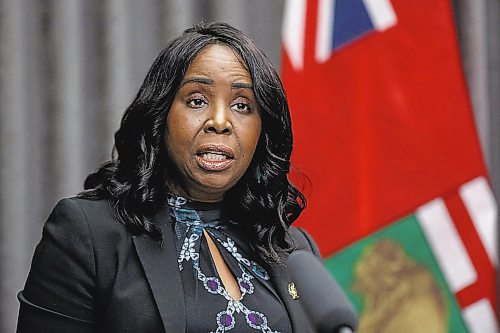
(324, 301)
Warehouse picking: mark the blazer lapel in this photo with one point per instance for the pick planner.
(160, 266)
(281, 280)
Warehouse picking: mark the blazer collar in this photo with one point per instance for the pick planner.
(160, 266)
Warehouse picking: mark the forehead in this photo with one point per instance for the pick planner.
(218, 59)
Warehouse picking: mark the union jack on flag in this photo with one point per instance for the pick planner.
(339, 23)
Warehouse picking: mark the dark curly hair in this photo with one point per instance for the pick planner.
(135, 180)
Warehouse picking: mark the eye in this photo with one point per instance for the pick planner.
(242, 107)
(196, 102)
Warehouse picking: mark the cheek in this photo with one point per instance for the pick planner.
(174, 140)
(256, 131)
(251, 136)
(178, 132)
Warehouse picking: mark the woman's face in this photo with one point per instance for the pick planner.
(213, 125)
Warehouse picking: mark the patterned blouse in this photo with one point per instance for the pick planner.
(209, 306)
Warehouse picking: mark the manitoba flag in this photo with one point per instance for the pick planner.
(400, 202)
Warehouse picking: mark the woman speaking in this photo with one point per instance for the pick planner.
(187, 228)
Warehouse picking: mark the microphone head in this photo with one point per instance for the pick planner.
(324, 301)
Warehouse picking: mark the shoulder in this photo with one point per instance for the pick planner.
(81, 247)
(303, 240)
(89, 226)
(85, 208)
(91, 216)
(75, 208)
(63, 270)
(75, 224)
(67, 226)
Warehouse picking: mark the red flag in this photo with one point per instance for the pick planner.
(383, 126)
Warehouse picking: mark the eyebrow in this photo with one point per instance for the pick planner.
(240, 85)
(202, 80)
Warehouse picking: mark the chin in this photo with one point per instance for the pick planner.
(215, 186)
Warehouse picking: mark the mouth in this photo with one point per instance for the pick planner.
(214, 157)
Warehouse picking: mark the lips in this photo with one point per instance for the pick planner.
(214, 157)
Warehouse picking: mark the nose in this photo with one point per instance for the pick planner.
(218, 121)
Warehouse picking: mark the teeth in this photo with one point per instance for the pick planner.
(212, 156)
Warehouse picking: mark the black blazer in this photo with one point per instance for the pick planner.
(91, 274)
